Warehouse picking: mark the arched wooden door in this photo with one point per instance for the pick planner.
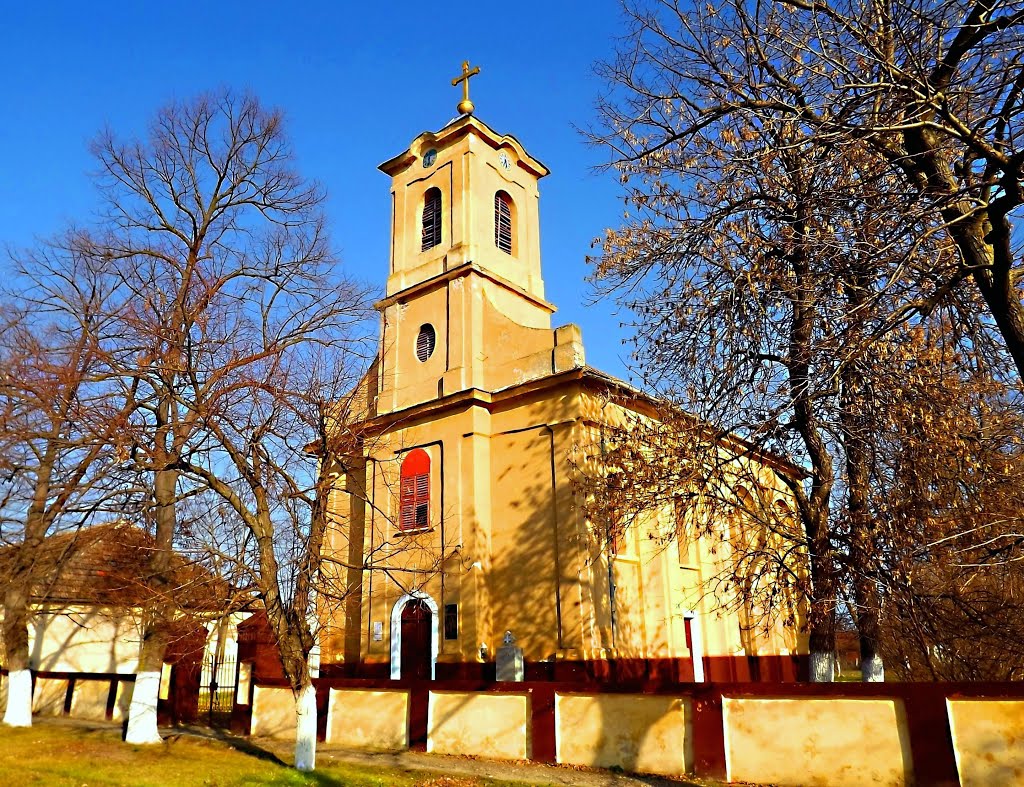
(417, 630)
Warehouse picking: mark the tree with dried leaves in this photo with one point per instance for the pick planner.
(787, 167)
(932, 89)
(947, 496)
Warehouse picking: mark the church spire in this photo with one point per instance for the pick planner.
(465, 106)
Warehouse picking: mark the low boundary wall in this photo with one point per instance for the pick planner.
(786, 734)
(105, 696)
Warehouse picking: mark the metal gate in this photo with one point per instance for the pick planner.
(217, 690)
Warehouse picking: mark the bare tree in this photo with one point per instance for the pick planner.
(270, 460)
(210, 236)
(60, 437)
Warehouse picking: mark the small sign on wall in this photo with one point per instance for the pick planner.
(378, 631)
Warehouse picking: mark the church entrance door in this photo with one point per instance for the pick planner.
(417, 626)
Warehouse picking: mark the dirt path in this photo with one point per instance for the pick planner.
(448, 766)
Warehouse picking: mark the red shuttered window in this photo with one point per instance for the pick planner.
(414, 492)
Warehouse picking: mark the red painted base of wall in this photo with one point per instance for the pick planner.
(656, 672)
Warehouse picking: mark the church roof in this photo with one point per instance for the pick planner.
(456, 128)
(635, 394)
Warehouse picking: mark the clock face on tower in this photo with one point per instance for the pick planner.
(505, 161)
(429, 158)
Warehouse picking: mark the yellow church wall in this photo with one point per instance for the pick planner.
(446, 553)
(408, 380)
(665, 633)
(658, 582)
(537, 540)
(375, 720)
(638, 733)
(521, 353)
(479, 725)
(273, 713)
(987, 737)
(834, 742)
(502, 406)
(522, 580)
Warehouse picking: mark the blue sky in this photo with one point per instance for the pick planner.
(357, 83)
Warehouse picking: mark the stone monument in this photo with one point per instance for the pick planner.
(508, 662)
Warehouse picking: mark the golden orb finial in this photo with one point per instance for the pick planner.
(465, 106)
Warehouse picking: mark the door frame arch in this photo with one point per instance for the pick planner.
(396, 631)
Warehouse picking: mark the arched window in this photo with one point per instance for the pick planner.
(503, 222)
(431, 219)
(414, 491)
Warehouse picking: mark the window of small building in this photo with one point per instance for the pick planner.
(414, 491)
(426, 340)
(503, 222)
(431, 219)
(451, 621)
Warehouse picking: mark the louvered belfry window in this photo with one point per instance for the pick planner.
(414, 503)
(431, 219)
(503, 222)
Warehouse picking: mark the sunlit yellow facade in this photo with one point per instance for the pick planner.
(473, 383)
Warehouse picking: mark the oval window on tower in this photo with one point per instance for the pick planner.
(425, 341)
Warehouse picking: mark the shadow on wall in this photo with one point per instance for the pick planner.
(86, 639)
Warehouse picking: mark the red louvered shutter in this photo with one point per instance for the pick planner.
(422, 500)
(408, 503)
(414, 491)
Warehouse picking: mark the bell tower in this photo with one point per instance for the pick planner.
(464, 307)
(465, 194)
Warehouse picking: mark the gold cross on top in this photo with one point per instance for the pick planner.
(465, 106)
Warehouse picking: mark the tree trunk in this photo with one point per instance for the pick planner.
(872, 669)
(822, 644)
(17, 600)
(19, 678)
(142, 715)
(858, 428)
(305, 729)
(822, 640)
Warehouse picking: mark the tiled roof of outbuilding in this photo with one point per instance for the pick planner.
(109, 565)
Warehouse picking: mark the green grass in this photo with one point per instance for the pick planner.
(59, 754)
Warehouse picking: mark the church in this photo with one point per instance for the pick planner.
(459, 525)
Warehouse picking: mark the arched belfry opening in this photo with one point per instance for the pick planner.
(504, 223)
(432, 219)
